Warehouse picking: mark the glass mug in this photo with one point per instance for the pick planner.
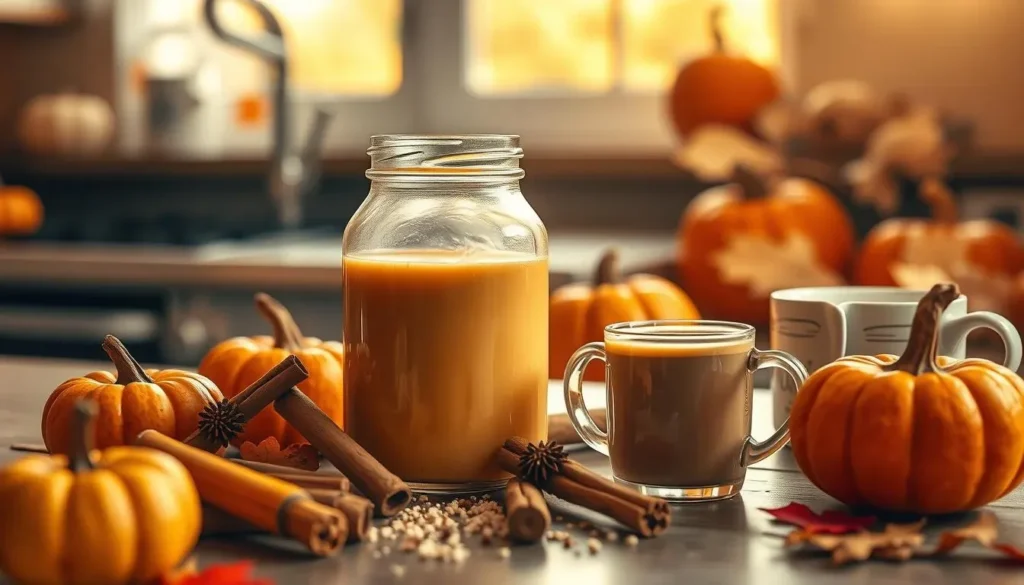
(679, 399)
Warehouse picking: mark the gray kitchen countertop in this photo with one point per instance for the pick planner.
(290, 263)
(726, 542)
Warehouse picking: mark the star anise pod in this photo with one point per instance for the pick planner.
(220, 422)
(541, 461)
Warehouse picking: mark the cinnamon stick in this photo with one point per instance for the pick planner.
(386, 490)
(526, 512)
(338, 480)
(562, 432)
(575, 483)
(357, 510)
(266, 502)
(220, 423)
(315, 481)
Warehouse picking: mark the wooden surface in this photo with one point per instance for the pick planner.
(728, 542)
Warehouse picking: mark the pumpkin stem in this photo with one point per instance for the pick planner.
(128, 369)
(752, 184)
(286, 333)
(923, 345)
(608, 270)
(715, 23)
(940, 199)
(83, 436)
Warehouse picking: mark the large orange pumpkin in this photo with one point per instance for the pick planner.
(237, 362)
(741, 241)
(913, 434)
(129, 402)
(904, 251)
(21, 212)
(720, 88)
(579, 312)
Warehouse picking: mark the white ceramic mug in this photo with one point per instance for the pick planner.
(821, 325)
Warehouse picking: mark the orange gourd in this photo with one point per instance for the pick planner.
(990, 248)
(720, 88)
(792, 215)
(130, 401)
(123, 515)
(916, 434)
(237, 362)
(21, 212)
(579, 312)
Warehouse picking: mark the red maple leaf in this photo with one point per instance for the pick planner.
(239, 573)
(828, 522)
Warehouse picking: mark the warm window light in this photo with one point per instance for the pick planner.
(345, 47)
(534, 46)
(539, 45)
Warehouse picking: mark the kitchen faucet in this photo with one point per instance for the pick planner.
(292, 174)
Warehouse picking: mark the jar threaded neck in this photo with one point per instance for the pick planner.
(445, 158)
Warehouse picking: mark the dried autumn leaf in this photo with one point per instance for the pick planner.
(984, 530)
(300, 455)
(1010, 551)
(714, 151)
(911, 145)
(239, 573)
(828, 522)
(764, 265)
(898, 542)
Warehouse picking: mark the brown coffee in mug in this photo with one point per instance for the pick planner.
(679, 405)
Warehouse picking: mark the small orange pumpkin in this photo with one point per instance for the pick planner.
(237, 362)
(579, 312)
(720, 88)
(914, 434)
(21, 211)
(122, 515)
(130, 401)
(787, 234)
(982, 246)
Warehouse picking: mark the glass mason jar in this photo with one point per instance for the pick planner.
(445, 286)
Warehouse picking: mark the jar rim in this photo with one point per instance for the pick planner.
(445, 157)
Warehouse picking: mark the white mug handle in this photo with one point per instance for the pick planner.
(958, 328)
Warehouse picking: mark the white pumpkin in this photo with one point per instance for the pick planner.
(66, 124)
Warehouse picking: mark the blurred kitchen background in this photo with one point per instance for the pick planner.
(180, 171)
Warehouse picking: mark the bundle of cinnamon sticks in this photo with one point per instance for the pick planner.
(566, 479)
(317, 509)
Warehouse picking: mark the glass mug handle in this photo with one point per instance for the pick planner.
(580, 417)
(754, 451)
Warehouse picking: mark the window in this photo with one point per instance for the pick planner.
(579, 75)
(597, 46)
